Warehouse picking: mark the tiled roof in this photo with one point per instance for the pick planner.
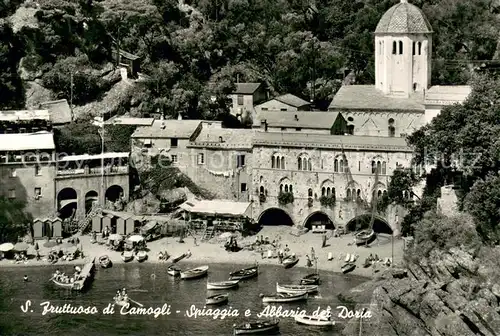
(451, 94)
(231, 138)
(60, 111)
(292, 100)
(167, 129)
(26, 141)
(246, 88)
(306, 119)
(305, 140)
(16, 115)
(403, 18)
(367, 97)
(131, 121)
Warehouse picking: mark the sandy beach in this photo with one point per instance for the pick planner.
(213, 251)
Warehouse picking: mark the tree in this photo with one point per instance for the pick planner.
(77, 138)
(14, 220)
(11, 52)
(400, 188)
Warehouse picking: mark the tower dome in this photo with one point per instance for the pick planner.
(403, 18)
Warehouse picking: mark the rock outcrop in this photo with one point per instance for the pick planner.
(447, 294)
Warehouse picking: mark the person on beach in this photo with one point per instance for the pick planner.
(280, 257)
(313, 255)
(323, 244)
(309, 262)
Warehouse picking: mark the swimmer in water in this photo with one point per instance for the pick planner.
(25, 278)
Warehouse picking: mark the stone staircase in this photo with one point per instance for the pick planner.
(209, 233)
(83, 225)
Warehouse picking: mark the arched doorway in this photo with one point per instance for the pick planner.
(319, 218)
(275, 216)
(90, 198)
(361, 222)
(67, 202)
(114, 193)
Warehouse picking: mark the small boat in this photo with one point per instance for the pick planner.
(347, 257)
(310, 279)
(368, 263)
(284, 297)
(319, 320)
(256, 327)
(353, 258)
(127, 256)
(195, 273)
(141, 256)
(63, 284)
(349, 267)
(365, 237)
(217, 299)
(245, 273)
(179, 258)
(290, 262)
(105, 262)
(122, 302)
(296, 289)
(223, 284)
(173, 271)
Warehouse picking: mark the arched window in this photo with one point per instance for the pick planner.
(379, 167)
(380, 47)
(379, 193)
(333, 192)
(309, 165)
(261, 189)
(273, 162)
(278, 162)
(299, 164)
(291, 189)
(394, 48)
(353, 194)
(336, 166)
(392, 129)
(385, 193)
(384, 168)
(310, 192)
(261, 179)
(304, 163)
(358, 193)
(413, 49)
(282, 162)
(286, 187)
(328, 191)
(420, 48)
(323, 191)
(281, 188)
(374, 167)
(348, 194)
(401, 47)
(341, 165)
(350, 129)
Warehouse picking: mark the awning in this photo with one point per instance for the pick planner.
(116, 155)
(217, 207)
(149, 225)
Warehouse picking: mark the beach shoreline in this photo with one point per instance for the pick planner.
(214, 252)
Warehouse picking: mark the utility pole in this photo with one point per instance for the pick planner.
(71, 95)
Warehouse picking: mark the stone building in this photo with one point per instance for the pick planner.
(299, 121)
(244, 98)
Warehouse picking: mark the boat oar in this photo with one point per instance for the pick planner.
(137, 303)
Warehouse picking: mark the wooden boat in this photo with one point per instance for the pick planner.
(353, 258)
(127, 256)
(141, 256)
(63, 284)
(290, 262)
(349, 267)
(245, 273)
(223, 284)
(365, 237)
(179, 258)
(319, 320)
(310, 279)
(347, 257)
(296, 289)
(195, 273)
(256, 327)
(105, 262)
(217, 299)
(122, 302)
(83, 280)
(284, 297)
(173, 271)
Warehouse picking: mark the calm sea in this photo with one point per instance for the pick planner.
(150, 285)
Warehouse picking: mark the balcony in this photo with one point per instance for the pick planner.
(95, 171)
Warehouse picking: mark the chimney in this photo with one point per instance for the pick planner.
(296, 118)
(179, 117)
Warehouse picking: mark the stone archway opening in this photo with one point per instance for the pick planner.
(319, 218)
(90, 198)
(114, 193)
(67, 203)
(361, 222)
(275, 217)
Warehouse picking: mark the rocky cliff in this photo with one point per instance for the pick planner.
(453, 293)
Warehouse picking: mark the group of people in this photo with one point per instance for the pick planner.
(67, 279)
(121, 295)
(20, 257)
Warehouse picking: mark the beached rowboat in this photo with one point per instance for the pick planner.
(290, 262)
(245, 273)
(349, 267)
(310, 279)
(296, 289)
(174, 271)
(257, 327)
(105, 262)
(179, 258)
(284, 297)
(141, 256)
(223, 284)
(365, 237)
(195, 273)
(127, 256)
(63, 284)
(320, 321)
(217, 299)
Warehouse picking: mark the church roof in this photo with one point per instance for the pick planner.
(290, 99)
(367, 97)
(303, 119)
(403, 18)
(446, 95)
